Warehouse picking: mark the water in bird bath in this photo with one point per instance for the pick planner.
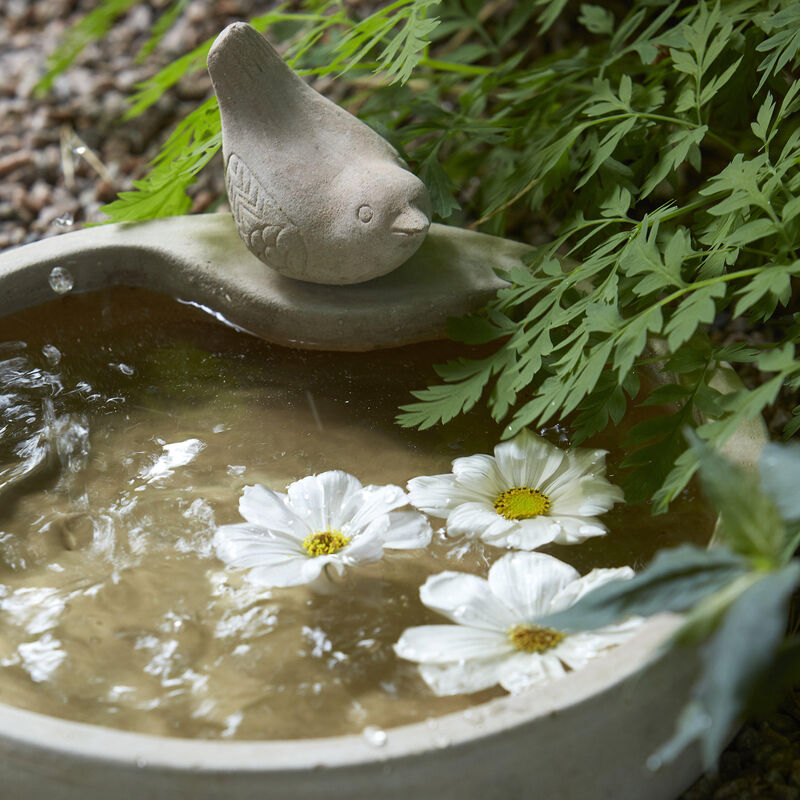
(130, 424)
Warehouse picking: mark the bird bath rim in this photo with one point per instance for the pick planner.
(491, 750)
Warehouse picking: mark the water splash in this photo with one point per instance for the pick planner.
(176, 454)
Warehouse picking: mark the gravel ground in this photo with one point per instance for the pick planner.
(63, 155)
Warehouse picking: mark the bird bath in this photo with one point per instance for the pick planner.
(156, 672)
(586, 735)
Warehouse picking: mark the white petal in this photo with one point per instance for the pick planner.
(573, 530)
(369, 504)
(364, 549)
(407, 530)
(528, 582)
(525, 670)
(578, 464)
(479, 476)
(528, 459)
(478, 520)
(471, 676)
(573, 592)
(321, 498)
(291, 571)
(436, 495)
(246, 545)
(528, 534)
(267, 509)
(579, 648)
(467, 600)
(586, 497)
(443, 644)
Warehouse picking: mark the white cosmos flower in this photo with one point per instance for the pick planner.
(327, 520)
(496, 638)
(530, 493)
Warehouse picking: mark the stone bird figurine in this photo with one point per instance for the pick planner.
(316, 194)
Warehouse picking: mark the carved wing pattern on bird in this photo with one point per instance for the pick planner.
(263, 225)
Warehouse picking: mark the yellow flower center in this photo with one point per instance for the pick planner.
(533, 638)
(325, 543)
(521, 502)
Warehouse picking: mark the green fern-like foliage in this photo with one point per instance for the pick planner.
(652, 161)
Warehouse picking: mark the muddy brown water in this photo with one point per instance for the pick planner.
(114, 609)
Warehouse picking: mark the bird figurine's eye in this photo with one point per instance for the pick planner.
(365, 213)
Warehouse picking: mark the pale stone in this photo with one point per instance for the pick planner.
(587, 735)
(200, 259)
(316, 194)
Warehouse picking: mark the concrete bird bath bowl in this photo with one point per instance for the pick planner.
(587, 735)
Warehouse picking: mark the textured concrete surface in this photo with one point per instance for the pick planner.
(587, 736)
(201, 259)
(316, 194)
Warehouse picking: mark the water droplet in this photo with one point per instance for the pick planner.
(61, 280)
(123, 368)
(65, 221)
(79, 150)
(441, 741)
(374, 735)
(52, 354)
(141, 762)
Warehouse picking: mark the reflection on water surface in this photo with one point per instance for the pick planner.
(129, 424)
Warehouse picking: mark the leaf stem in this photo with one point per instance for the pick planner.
(452, 66)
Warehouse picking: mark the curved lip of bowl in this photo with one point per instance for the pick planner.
(101, 744)
(20, 728)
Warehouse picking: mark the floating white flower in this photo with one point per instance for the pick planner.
(497, 638)
(327, 520)
(529, 494)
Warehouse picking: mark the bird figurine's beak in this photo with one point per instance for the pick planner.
(411, 222)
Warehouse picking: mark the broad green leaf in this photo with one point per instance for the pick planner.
(674, 581)
(779, 359)
(596, 19)
(791, 209)
(606, 147)
(672, 155)
(774, 280)
(439, 185)
(88, 29)
(685, 62)
(618, 203)
(718, 82)
(695, 309)
(668, 393)
(466, 382)
(779, 468)
(734, 659)
(161, 193)
(643, 257)
(782, 46)
(761, 126)
(633, 338)
(752, 232)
